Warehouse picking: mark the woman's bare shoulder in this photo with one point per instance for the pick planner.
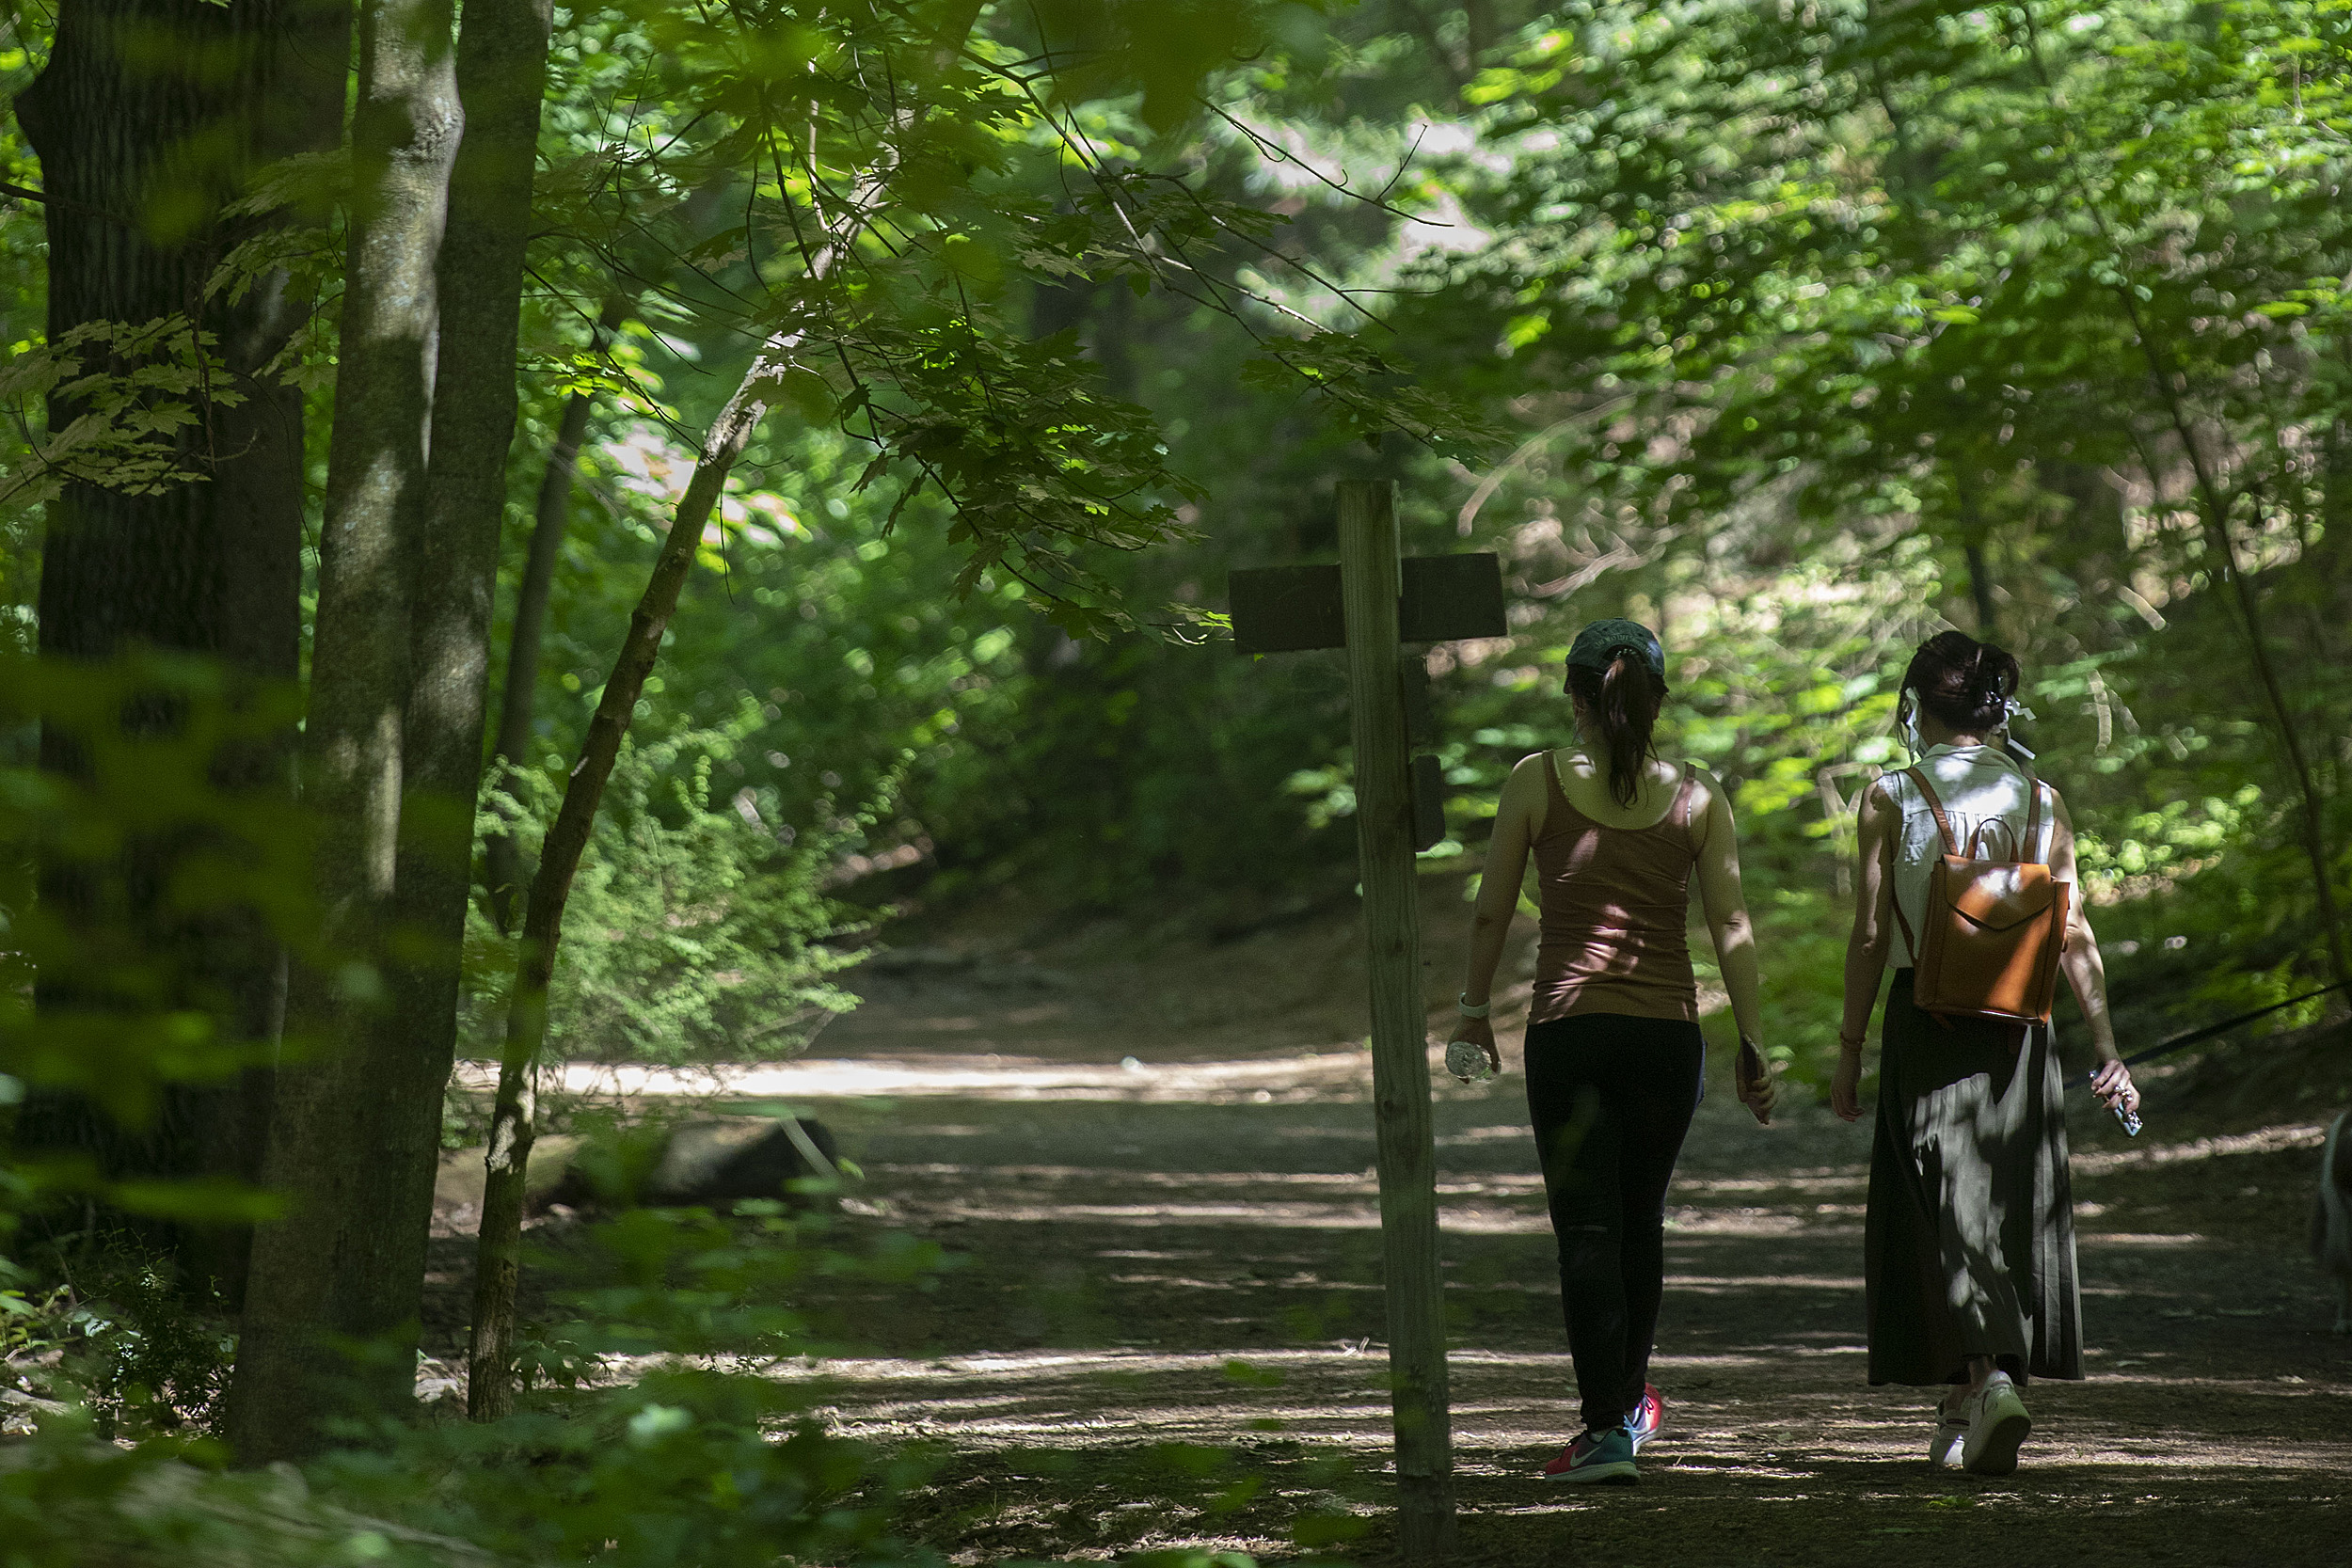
(1526, 784)
(1705, 788)
(1529, 772)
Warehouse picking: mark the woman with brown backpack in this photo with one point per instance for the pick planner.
(1967, 881)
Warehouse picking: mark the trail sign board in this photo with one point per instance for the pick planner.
(1289, 609)
(1371, 604)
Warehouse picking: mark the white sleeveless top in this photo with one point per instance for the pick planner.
(1979, 786)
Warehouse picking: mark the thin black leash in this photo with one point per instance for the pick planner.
(2196, 1037)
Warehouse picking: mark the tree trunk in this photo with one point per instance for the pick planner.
(2311, 820)
(148, 117)
(333, 1268)
(490, 1374)
(2214, 509)
(1484, 29)
(490, 1391)
(502, 76)
(1974, 534)
(502, 860)
(2090, 544)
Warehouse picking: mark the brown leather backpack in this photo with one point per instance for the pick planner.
(1995, 928)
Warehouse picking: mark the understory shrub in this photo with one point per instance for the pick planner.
(694, 929)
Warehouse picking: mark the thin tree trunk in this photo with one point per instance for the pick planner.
(491, 1385)
(2214, 511)
(490, 1388)
(1485, 31)
(331, 1267)
(1980, 590)
(1904, 173)
(501, 858)
(1458, 73)
(1973, 536)
(501, 77)
(147, 107)
(2093, 548)
(2213, 515)
(2314, 832)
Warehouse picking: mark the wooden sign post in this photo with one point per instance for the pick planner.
(1372, 604)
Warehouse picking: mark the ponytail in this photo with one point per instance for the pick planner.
(1622, 701)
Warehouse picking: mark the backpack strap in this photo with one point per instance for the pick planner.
(2033, 812)
(1935, 804)
(1893, 899)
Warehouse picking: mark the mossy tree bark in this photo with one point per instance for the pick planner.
(500, 75)
(149, 116)
(335, 1268)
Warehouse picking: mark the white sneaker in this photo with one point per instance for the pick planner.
(1997, 1425)
(1944, 1445)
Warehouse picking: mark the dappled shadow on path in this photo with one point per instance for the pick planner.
(1163, 1323)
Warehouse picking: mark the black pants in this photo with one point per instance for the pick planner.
(1610, 1097)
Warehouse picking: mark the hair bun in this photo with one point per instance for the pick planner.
(1964, 683)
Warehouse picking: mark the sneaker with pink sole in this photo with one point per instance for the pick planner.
(1643, 1422)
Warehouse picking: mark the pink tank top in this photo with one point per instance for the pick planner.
(1616, 909)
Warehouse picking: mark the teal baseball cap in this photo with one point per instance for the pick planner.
(1597, 645)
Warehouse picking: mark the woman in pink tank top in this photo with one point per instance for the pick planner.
(1615, 1063)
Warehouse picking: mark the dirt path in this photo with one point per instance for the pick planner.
(1116, 1256)
(1161, 1323)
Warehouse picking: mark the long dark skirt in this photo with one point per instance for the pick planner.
(1969, 1247)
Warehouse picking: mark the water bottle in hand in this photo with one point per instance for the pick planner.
(2129, 1118)
(1467, 1060)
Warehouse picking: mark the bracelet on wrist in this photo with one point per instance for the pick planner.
(1468, 1009)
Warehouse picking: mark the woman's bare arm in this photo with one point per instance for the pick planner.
(1726, 906)
(1518, 816)
(1507, 867)
(2086, 973)
(1868, 944)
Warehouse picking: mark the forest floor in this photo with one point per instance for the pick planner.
(1160, 1322)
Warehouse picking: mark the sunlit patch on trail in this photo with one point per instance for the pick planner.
(1342, 1073)
(2265, 1140)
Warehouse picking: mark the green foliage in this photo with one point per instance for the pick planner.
(694, 930)
(158, 833)
(708, 1450)
(69, 1498)
(130, 436)
(1815, 329)
(145, 1358)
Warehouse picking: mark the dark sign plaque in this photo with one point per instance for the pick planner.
(1288, 609)
(1448, 597)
